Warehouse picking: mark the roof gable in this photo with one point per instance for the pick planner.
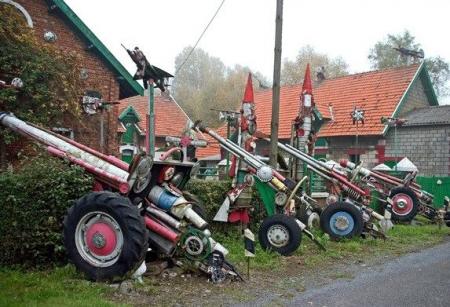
(129, 114)
(125, 79)
(420, 76)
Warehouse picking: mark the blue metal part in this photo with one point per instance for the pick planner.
(342, 223)
(166, 200)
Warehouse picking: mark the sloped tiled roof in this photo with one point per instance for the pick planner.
(433, 115)
(377, 92)
(170, 119)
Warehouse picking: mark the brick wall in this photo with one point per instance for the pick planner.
(428, 147)
(343, 147)
(100, 77)
(416, 99)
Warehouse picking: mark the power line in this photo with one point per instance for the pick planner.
(201, 35)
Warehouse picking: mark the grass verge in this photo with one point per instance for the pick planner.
(401, 239)
(57, 287)
(64, 287)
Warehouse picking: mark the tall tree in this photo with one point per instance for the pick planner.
(203, 83)
(383, 55)
(293, 71)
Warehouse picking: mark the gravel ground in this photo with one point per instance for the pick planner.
(387, 278)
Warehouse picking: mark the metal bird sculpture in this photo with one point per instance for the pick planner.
(145, 71)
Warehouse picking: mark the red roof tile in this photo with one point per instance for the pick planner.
(377, 92)
(213, 146)
(170, 119)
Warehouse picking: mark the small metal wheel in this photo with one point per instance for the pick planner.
(341, 220)
(309, 217)
(195, 245)
(404, 204)
(280, 233)
(105, 236)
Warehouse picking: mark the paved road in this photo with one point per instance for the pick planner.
(418, 279)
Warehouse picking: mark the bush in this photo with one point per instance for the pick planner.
(211, 193)
(33, 202)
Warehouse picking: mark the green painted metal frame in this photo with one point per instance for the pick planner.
(129, 114)
(132, 86)
(267, 195)
(151, 120)
(430, 184)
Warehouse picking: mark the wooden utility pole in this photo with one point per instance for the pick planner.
(276, 86)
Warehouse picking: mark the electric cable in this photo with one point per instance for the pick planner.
(200, 37)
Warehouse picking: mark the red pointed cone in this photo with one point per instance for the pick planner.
(248, 94)
(307, 86)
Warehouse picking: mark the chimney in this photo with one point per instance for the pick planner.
(330, 108)
(320, 74)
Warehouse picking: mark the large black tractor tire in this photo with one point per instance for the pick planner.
(447, 218)
(105, 236)
(280, 233)
(197, 204)
(342, 220)
(405, 204)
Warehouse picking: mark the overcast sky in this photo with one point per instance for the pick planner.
(244, 30)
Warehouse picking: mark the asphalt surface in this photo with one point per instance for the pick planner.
(417, 279)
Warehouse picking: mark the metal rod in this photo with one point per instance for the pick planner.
(44, 137)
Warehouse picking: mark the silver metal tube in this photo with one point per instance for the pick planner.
(164, 217)
(305, 158)
(235, 149)
(247, 157)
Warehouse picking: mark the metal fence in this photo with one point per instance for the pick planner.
(438, 186)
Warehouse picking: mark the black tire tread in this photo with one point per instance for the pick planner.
(133, 229)
(409, 217)
(328, 212)
(290, 223)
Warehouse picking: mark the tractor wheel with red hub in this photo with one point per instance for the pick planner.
(405, 204)
(105, 236)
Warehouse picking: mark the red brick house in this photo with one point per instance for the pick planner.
(105, 77)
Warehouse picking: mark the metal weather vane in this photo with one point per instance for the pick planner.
(357, 115)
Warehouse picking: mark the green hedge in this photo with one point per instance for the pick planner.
(212, 194)
(33, 203)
